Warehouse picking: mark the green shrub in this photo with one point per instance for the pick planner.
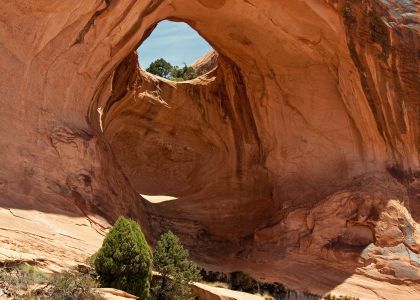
(125, 260)
(182, 74)
(23, 281)
(90, 261)
(160, 67)
(69, 286)
(17, 279)
(170, 259)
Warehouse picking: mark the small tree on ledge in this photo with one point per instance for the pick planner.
(171, 261)
(125, 260)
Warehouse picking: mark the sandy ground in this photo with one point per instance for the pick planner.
(158, 198)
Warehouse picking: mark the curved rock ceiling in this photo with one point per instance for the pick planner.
(298, 154)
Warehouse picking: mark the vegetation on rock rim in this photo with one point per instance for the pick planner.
(164, 69)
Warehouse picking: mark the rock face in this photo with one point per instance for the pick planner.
(206, 292)
(206, 63)
(296, 159)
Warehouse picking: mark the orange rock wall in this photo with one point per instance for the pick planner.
(313, 107)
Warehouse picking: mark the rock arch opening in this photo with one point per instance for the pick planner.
(276, 156)
(186, 142)
(177, 52)
(243, 149)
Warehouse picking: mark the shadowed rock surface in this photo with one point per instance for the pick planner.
(295, 160)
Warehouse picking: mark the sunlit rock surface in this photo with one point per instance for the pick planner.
(296, 159)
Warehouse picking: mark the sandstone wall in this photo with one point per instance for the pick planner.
(311, 114)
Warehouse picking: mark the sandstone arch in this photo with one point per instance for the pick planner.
(312, 104)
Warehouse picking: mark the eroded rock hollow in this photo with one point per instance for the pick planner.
(296, 158)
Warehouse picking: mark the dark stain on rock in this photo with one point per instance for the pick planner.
(81, 36)
(243, 40)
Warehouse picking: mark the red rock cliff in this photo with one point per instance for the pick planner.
(296, 160)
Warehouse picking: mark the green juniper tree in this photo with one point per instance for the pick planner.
(160, 67)
(125, 260)
(170, 259)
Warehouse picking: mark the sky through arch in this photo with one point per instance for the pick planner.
(176, 42)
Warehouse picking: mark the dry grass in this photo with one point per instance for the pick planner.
(217, 284)
(23, 281)
(266, 296)
(333, 297)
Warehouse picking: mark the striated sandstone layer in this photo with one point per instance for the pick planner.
(296, 159)
(206, 63)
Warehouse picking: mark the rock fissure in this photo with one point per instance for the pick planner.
(91, 22)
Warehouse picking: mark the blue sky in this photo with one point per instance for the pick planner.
(176, 42)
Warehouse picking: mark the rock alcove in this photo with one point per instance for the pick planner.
(298, 153)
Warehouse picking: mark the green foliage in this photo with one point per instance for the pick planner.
(184, 73)
(23, 281)
(177, 271)
(160, 68)
(176, 79)
(125, 260)
(16, 279)
(90, 261)
(31, 274)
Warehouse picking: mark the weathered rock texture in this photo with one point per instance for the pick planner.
(297, 159)
(206, 63)
(206, 292)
